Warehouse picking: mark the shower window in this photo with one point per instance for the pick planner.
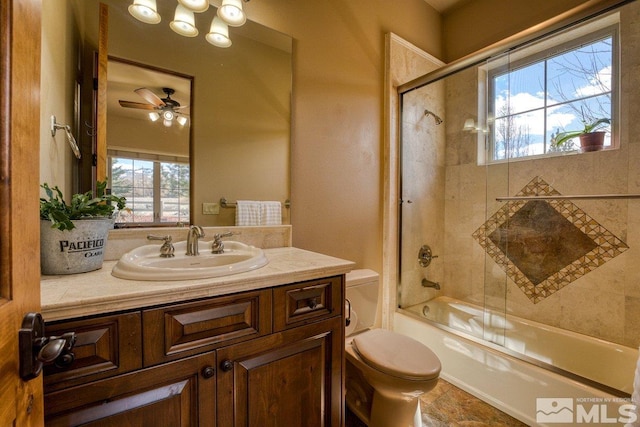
(550, 88)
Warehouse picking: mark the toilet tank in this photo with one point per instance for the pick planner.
(362, 293)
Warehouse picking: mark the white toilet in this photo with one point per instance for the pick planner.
(386, 372)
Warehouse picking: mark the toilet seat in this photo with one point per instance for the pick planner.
(397, 355)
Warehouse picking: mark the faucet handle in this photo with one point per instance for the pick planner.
(217, 246)
(166, 250)
(219, 236)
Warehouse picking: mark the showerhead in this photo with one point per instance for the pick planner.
(437, 118)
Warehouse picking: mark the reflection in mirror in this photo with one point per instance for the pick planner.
(239, 120)
(148, 139)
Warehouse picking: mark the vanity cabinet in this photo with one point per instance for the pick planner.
(269, 357)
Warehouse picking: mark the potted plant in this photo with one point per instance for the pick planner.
(591, 137)
(73, 236)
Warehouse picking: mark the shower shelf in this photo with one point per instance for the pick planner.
(574, 197)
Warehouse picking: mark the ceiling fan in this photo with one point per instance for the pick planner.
(166, 107)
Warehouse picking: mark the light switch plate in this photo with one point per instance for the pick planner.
(210, 209)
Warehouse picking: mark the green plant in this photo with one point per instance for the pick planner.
(55, 209)
(589, 126)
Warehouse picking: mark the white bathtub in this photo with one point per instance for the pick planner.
(509, 383)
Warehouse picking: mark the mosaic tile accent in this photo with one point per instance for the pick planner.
(543, 245)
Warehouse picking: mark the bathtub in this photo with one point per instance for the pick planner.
(511, 362)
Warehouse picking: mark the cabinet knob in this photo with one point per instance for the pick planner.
(226, 365)
(208, 372)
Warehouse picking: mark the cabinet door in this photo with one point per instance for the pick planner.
(291, 378)
(177, 394)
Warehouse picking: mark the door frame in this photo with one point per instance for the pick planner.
(21, 403)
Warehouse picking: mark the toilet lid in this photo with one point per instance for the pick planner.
(397, 355)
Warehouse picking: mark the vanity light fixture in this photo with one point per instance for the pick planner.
(231, 12)
(183, 22)
(145, 11)
(197, 6)
(218, 34)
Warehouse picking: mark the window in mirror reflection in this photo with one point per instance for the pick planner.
(157, 191)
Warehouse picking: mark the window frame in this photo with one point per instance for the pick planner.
(556, 44)
(157, 161)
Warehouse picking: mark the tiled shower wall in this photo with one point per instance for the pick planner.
(459, 196)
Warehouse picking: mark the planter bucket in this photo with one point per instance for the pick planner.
(593, 141)
(73, 251)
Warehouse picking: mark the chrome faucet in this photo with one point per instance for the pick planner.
(195, 232)
(217, 246)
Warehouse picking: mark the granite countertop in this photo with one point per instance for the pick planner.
(98, 292)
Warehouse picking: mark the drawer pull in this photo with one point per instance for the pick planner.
(226, 365)
(208, 372)
(312, 303)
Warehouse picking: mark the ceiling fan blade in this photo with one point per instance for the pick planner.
(138, 105)
(150, 97)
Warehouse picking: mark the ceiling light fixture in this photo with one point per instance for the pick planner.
(218, 34)
(154, 116)
(145, 11)
(197, 6)
(231, 12)
(183, 22)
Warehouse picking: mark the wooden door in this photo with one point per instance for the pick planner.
(291, 378)
(20, 402)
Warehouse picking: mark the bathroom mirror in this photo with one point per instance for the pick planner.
(239, 119)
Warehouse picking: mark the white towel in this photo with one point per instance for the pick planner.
(271, 213)
(248, 212)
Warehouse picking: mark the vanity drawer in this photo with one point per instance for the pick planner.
(306, 302)
(105, 346)
(181, 330)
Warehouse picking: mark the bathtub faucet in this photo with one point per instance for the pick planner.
(429, 284)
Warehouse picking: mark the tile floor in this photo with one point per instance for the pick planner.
(448, 406)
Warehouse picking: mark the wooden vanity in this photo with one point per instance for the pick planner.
(263, 348)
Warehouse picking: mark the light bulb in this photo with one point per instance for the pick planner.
(154, 116)
(168, 115)
(218, 33)
(183, 22)
(167, 123)
(231, 12)
(145, 11)
(182, 120)
(197, 6)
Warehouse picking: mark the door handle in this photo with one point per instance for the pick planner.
(36, 349)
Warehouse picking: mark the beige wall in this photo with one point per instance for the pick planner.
(338, 114)
(57, 92)
(479, 23)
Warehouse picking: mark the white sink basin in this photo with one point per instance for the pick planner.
(145, 262)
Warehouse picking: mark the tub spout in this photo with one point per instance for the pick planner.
(429, 284)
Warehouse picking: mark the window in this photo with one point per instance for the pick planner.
(553, 89)
(157, 191)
